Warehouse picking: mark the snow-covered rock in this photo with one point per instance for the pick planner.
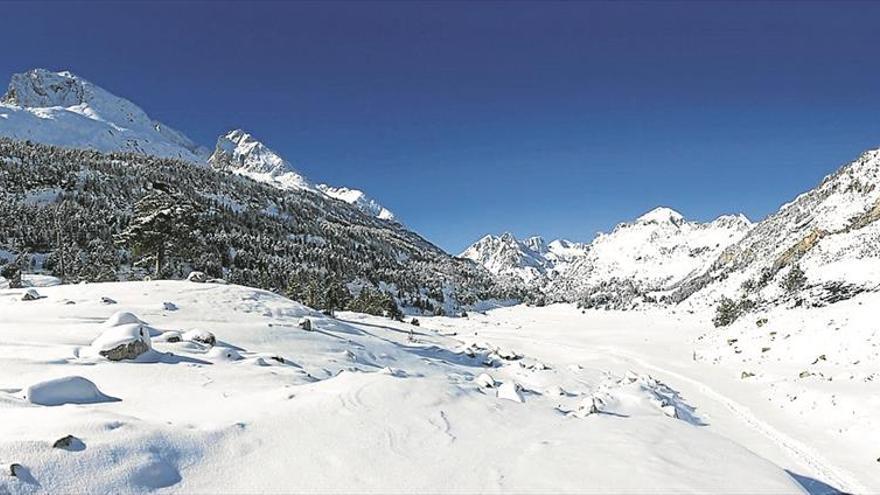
(66, 390)
(124, 341)
(510, 391)
(197, 277)
(31, 295)
(200, 336)
(224, 354)
(63, 109)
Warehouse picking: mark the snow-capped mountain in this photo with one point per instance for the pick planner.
(651, 254)
(831, 233)
(238, 152)
(530, 260)
(63, 109)
(359, 199)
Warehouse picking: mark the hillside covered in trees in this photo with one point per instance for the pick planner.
(89, 216)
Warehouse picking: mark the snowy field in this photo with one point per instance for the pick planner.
(518, 399)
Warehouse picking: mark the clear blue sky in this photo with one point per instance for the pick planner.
(557, 119)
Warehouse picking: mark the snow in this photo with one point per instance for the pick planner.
(359, 199)
(63, 109)
(269, 396)
(661, 214)
(66, 390)
(654, 253)
(531, 260)
(121, 334)
(237, 151)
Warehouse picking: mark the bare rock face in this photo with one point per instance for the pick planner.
(130, 350)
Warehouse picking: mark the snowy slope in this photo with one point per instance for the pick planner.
(63, 109)
(359, 199)
(383, 406)
(530, 260)
(652, 253)
(830, 232)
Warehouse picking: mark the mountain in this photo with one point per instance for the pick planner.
(63, 109)
(651, 254)
(238, 152)
(529, 261)
(829, 233)
(616, 270)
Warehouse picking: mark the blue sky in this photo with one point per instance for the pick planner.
(559, 119)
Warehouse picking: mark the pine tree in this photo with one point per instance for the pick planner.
(160, 227)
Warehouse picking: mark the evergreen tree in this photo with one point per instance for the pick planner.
(160, 227)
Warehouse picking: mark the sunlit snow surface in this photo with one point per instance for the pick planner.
(609, 402)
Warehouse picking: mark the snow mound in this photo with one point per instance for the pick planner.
(120, 318)
(224, 354)
(67, 390)
(510, 391)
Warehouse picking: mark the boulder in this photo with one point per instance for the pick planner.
(31, 295)
(200, 336)
(170, 336)
(130, 350)
(197, 277)
(69, 442)
(306, 324)
(125, 341)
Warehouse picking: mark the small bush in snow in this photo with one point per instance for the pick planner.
(729, 310)
(794, 280)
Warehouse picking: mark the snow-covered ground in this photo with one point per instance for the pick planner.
(518, 399)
